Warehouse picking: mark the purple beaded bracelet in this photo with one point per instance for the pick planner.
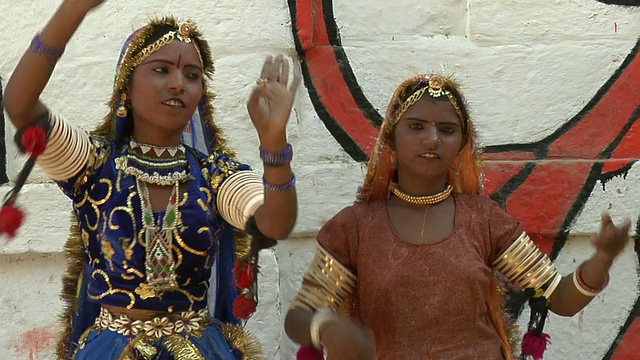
(279, 188)
(45, 52)
(277, 158)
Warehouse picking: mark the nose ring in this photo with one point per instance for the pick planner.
(440, 141)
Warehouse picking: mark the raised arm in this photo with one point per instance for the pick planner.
(530, 269)
(269, 107)
(36, 65)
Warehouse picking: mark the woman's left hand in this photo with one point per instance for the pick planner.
(612, 239)
(271, 101)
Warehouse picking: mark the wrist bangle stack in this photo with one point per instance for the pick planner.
(45, 52)
(277, 158)
(582, 286)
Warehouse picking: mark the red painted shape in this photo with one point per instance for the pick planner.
(305, 23)
(35, 342)
(629, 347)
(627, 151)
(600, 127)
(542, 202)
(327, 78)
(498, 173)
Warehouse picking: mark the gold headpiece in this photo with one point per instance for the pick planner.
(436, 88)
(186, 32)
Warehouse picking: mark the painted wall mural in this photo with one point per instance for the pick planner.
(521, 177)
(621, 2)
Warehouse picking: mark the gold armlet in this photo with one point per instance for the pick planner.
(526, 266)
(328, 283)
(239, 197)
(67, 151)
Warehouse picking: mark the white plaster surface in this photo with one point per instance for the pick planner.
(527, 67)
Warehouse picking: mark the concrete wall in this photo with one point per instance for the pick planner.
(554, 88)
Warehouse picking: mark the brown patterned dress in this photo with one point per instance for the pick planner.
(427, 301)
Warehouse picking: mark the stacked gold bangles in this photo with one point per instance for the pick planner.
(526, 266)
(239, 197)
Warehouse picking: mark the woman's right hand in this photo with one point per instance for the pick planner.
(344, 339)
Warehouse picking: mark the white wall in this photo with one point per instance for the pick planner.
(527, 67)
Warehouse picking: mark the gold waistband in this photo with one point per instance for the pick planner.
(185, 322)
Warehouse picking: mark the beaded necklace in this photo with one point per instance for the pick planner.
(160, 266)
(150, 164)
(163, 166)
(422, 200)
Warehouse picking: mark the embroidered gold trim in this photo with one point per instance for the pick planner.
(243, 340)
(182, 323)
(182, 349)
(70, 285)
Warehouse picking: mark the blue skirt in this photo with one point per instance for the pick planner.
(109, 345)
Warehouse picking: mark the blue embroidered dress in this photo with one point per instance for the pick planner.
(108, 209)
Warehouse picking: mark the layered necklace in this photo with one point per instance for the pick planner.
(154, 164)
(162, 166)
(422, 200)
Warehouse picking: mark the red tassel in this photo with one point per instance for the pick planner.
(10, 220)
(34, 140)
(244, 307)
(244, 275)
(535, 345)
(309, 353)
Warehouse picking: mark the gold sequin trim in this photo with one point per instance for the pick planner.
(243, 340)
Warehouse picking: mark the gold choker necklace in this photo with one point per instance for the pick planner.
(422, 200)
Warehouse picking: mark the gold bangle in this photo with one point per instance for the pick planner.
(334, 283)
(239, 197)
(525, 265)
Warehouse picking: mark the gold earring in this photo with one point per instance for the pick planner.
(122, 110)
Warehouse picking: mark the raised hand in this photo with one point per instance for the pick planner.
(271, 101)
(612, 239)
